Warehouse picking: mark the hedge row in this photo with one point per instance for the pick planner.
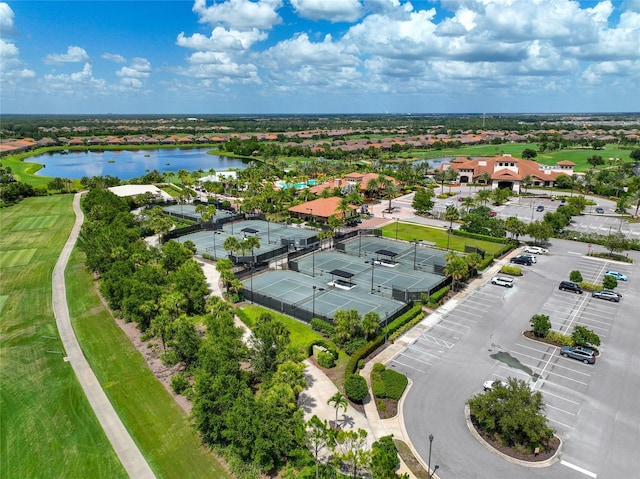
(378, 341)
(490, 239)
(406, 327)
(488, 259)
(322, 326)
(436, 297)
(328, 345)
(512, 270)
(590, 286)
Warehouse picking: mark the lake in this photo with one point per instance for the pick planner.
(127, 164)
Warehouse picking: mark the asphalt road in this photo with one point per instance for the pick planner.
(593, 408)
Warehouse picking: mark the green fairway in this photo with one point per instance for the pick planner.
(439, 236)
(48, 427)
(155, 421)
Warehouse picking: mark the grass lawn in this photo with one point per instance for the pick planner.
(157, 424)
(439, 236)
(301, 333)
(48, 427)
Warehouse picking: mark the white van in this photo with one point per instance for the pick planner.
(502, 281)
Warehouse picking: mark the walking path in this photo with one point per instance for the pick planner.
(123, 445)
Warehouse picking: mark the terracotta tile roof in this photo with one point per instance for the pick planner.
(322, 207)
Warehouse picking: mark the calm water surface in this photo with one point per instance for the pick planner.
(127, 164)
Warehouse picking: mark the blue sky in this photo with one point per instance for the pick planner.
(319, 56)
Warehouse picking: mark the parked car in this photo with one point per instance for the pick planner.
(492, 214)
(608, 295)
(535, 250)
(502, 281)
(617, 275)
(530, 256)
(586, 355)
(522, 260)
(614, 292)
(599, 210)
(491, 384)
(540, 208)
(449, 204)
(570, 286)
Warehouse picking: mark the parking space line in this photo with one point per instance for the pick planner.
(441, 342)
(568, 378)
(422, 350)
(469, 312)
(561, 410)
(406, 365)
(558, 422)
(578, 468)
(462, 318)
(413, 358)
(534, 349)
(439, 325)
(545, 392)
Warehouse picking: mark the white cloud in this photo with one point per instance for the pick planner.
(240, 14)
(77, 83)
(6, 20)
(74, 55)
(222, 39)
(7, 49)
(113, 57)
(134, 75)
(332, 10)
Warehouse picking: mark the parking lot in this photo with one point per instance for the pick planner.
(481, 338)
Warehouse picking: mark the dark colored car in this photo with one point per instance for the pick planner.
(599, 210)
(570, 286)
(540, 208)
(522, 260)
(586, 355)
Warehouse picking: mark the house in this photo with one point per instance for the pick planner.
(321, 209)
(508, 172)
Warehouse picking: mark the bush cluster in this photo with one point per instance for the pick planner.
(355, 387)
(322, 326)
(436, 297)
(387, 383)
(326, 360)
(590, 286)
(559, 338)
(512, 270)
(325, 344)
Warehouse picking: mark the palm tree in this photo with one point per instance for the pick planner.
(483, 196)
(485, 178)
(468, 202)
(370, 324)
(231, 244)
(526, 182)
(452, 175)
(440, 176)
(343, 207)
(456, 267)
(338, 400)
(634, 196)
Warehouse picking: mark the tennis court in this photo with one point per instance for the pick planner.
(305, 297)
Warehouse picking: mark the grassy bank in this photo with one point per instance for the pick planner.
(48, 427)
(157, 424)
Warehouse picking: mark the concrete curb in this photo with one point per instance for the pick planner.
(519, 462)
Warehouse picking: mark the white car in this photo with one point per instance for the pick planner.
(449, 204)
(502, 281)
(535, 250)
(491, 384)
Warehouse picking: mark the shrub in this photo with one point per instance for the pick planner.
(403, 319)
(360, 363)
(406, 327)
(362, 353)
(326, 360)
(378, 368)
(540, 324)
(590, 286)
(609, 282)
(585, 337)
(322, 326)
(394, 383)
(512, 270)
(436, 297)
(559, 338)
(353, 345)
(355, 387)
(180, 382)
(488, 259)
(378, 388)
(575, 276)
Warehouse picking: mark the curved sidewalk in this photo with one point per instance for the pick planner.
(122, 443)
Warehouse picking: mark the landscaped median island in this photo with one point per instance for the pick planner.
(509, 418)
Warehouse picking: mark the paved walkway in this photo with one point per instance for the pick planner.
(123, 445)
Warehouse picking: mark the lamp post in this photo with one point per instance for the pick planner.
(415, 252)
(373, 264)
(313, 261)
(386, 321)
(251, 276)
(359, 242)
(397, 222)
(429, 475)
